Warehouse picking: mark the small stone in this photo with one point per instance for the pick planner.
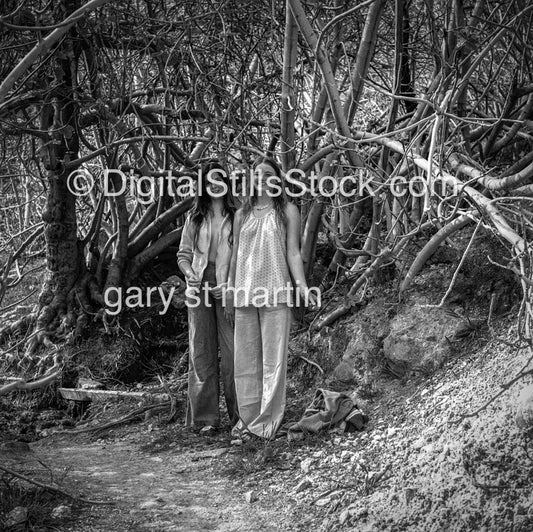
(61, 512)
(429, 448)
(391, 432)
(304, 484)
(343, 517)
(250, 497)
(344, 372)
(418, 444)
(346, 455)
(17, 516)
(146, 505)
(524, 411)
(90, 384)
(305, 465)
(323, 502)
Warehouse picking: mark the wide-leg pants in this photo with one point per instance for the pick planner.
(209, 330)
(261, 347)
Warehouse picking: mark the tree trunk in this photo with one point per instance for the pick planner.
(63, 256)
(288, 104)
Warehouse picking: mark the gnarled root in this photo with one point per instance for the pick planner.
(17, 328)
(49, 377)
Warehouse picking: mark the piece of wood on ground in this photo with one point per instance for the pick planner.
(79, 394)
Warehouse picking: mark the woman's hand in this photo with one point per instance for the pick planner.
(193, 281)
(218, 290)
(229, 307)
(313, 297)
(310, 297)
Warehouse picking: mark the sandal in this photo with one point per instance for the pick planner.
(243, 437)
(208, 430)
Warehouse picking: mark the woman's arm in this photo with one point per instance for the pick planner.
(228, 301)
(237, 221)
(294, 258)
(223, 259)
(185, 254)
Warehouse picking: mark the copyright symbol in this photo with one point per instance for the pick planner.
(80, 182)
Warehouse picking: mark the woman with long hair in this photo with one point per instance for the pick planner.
(204, 259)
(266, 255)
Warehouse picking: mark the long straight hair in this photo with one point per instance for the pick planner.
(279, 200)
(203, 200)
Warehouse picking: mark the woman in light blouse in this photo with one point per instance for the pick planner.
(265, 263)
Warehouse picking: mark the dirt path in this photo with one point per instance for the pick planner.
(420, 464)
(175, 490)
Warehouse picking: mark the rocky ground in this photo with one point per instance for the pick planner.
(421, 463)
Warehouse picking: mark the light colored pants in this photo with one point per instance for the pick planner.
(261, 346)
(208, 330)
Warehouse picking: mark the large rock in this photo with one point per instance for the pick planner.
(420, 337)
(417, 338)
(361, 347)
(366, 333)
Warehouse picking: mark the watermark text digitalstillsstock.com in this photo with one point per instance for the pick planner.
(217, 183)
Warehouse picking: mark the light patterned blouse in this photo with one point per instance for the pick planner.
(262, 276)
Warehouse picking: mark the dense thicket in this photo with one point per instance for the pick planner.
(425, 105)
